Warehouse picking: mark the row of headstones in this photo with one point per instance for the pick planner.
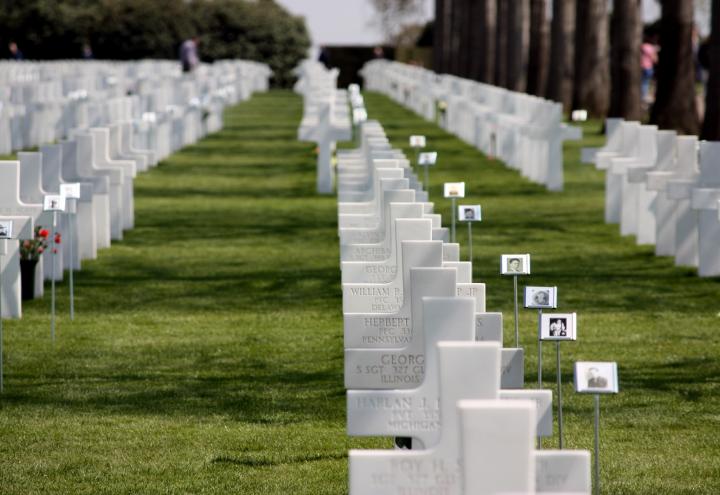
(664, 189)
(424, 360)
(103, 162)
(42, 102)
(526, 132)
(326, 117)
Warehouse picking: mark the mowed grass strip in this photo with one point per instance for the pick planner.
(207, 353)
(206, 356)
(661, 323)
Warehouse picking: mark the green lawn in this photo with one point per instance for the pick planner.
(207, 352)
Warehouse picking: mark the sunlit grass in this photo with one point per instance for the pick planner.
(207, 353)
(661, 434)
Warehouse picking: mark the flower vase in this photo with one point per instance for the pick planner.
(27, 279)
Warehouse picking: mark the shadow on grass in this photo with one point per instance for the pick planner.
(228, 234)
(261, 459)
(243, 395)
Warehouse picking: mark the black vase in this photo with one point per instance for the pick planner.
(27, 279)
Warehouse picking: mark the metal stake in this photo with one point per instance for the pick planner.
(71, 218)
(559, 394)
(1, 328)
(452, 237)
(517, 328)
(539, 439)
(470, 257)
(426, 185)
(52, 280)
(539, 349)
(597, 444)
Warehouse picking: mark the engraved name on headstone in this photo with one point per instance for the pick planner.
(403, 367)
(438, 468)
(414, 412)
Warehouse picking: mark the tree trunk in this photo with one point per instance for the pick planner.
(675, 106)
(625, 40)
(591, 86)
(560, 75)
(438, 35)
(711, 126)
(455, 35)
(466, 30)
(444, 36)
(538, 50)
(482, 40)
(516, 44)
(501, 38)
(487, 73)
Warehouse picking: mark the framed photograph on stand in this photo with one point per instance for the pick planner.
(558, 326)
(454, 190)
(596, 377)
(540, 297)
(6, 229)
(515, 264)
(469, 213)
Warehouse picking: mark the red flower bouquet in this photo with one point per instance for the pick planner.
(34, 248)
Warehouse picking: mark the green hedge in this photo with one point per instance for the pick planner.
(132, 29)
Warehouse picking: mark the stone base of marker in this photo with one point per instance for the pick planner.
(403, 443)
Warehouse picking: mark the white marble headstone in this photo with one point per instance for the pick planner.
(391, 297)
(562, 471)
(414, 412)
(498, 439)
(437, 469)
(23, 228)
(513, 368)
(400, 367)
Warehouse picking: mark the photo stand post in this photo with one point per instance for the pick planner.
(453, 190)
(71, 271)
(515, 265)
(3, 252)
(71, 193)
(53, 203)
(539, 439)
(597, 444)
(469, 214)
(596, 378)
(426, 160)
(454, 219)
(417, 142)
(470, 256)
(539, 349)
(52, 277)
(559, 396)
(558, 327)
(540, 298)
(516, 313)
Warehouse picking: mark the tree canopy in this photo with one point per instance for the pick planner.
(132, 29)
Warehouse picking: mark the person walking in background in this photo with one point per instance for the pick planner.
(189, 54)
(648, 59)
(324, 58)
(15, 52)
(87, 53)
